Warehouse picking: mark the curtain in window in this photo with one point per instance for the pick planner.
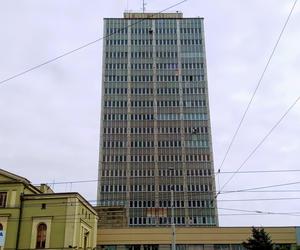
(41, 236)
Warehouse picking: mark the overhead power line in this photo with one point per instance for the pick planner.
(246, 214)
(263, 191)
(225, 172)
(81, 47)
(76, 218)
(70, 182)
(260, 171)
(261, 199)
(261, 187)
(257, 86)
(261, 142)
(72, 203)
(261, 212)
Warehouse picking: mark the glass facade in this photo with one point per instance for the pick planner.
(155, 123)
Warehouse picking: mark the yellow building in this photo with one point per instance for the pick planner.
(191, 238)
(37, 218)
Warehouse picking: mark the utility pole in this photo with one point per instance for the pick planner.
(173, 220)
(172, 211)
(144, 6)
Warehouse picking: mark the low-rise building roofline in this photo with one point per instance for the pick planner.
(60, 195)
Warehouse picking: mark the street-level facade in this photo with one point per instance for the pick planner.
(34, 217)
(191, 238)
(155, 122)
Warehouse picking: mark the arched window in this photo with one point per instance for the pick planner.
(41, 236)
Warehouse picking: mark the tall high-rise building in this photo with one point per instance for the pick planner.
(155, 123)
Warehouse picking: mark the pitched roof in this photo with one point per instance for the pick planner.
(13, 178)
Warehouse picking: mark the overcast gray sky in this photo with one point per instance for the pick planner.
(50, 117)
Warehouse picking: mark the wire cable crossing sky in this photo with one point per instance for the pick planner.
(79, 48)
(257, 87)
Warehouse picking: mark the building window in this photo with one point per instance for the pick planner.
(41, 236)
(3, 196)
